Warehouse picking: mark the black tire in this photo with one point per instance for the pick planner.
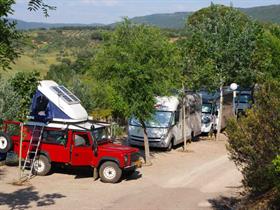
(110, 172)
(6, 143)
(170, 146)
(44, 166)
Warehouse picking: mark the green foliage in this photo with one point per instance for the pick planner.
(219, 47)
(16, 95)
(8, 35)
(138, 62)
(34, 5)
(254, 141)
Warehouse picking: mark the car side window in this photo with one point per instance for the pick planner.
(54, 137)
(81, 140)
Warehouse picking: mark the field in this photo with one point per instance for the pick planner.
(42, 48)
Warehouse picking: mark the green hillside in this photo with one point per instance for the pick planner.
(177, 20)
(42, 48)
(173, 20)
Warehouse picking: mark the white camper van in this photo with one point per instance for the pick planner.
(165, 128)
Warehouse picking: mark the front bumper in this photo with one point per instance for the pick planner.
(140, 143)
(134, 165)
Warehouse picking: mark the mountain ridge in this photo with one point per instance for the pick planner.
(176, 20)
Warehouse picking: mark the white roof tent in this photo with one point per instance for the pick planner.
(53, 102)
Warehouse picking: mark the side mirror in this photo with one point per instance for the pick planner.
(216, 113)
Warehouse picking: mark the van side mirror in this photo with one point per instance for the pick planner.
(216, 113)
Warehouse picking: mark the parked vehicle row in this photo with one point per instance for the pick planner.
(165, 129)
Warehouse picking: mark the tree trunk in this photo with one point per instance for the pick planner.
(146, 145)
(220, 116)
(184, 123)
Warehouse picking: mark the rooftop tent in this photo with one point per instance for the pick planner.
(52, 102)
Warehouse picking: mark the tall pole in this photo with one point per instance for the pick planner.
(20, 150)
(220, 115)
(184, 118)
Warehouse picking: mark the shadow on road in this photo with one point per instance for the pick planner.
(134, 176)
(78, 172)
(22, 199)
(224, 203)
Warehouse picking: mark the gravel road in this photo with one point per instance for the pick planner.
(202, 178)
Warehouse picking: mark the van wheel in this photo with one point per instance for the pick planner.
(110, 172)
(170, 146)
(42, 166)
(6, 143)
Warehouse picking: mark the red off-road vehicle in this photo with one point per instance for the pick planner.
(80, 144)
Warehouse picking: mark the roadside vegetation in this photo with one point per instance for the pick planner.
(116, 74)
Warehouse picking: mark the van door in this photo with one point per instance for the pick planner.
(177, 127)
(81, 154)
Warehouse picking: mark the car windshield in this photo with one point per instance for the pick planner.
(206, 108)
(99, 134)
(160, 119)
(244, 99)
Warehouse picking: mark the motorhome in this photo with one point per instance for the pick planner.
(243, 101)
(208, 117)
(228, 108)
(165, 129)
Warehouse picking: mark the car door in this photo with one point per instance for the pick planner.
(81, 149)
(55, 143)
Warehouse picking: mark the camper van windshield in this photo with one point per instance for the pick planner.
(206, 108)
(243, 99)
(161, 119)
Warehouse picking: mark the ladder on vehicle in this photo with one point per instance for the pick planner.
(32, 152)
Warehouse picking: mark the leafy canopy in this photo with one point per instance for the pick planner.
(138, 62)
(219, 47)
(8, 35)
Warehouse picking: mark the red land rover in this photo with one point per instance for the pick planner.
(83, 144)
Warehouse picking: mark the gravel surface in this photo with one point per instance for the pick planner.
(202, 178)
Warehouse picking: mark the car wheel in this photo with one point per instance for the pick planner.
(5, 143)
(42, 166)
(110, 172)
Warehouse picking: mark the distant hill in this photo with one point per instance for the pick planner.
(265, 13)
(24, 25)
(176, 20)
(172, 20)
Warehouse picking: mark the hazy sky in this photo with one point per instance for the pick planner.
(108, 11)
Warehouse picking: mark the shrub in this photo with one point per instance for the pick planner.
(254, 141)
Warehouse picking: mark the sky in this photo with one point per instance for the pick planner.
(109, 11)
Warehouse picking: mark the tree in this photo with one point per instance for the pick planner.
(8, 35)
(139, 63)
(16, 95)
(34, 5)
(254, 141)
(218, 49)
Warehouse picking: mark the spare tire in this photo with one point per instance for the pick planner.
(5, 143)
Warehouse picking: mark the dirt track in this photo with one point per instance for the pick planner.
(177, 180)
